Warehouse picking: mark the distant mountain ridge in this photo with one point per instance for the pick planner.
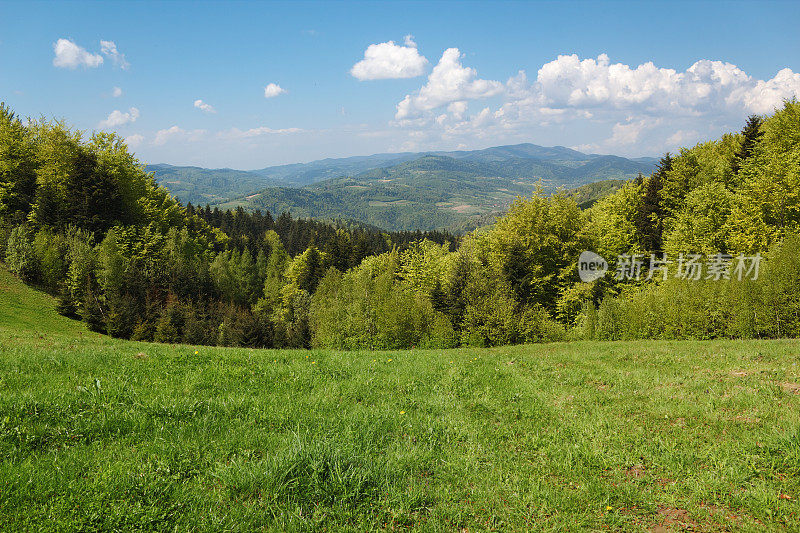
(435, 190)
(556, 164)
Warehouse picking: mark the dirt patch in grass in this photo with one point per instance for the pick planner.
(636, 471)
(674, 519)
(791, 388)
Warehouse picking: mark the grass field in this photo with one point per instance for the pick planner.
(100, 434)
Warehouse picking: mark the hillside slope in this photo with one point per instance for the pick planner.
(201, 186)
(472, 183)
(98, 434)
(25, 309)
(437, 191)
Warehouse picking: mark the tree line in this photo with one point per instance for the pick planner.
(82, 219)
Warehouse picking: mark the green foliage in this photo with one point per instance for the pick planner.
(164, 272)
(368, 307)
(768, 307)
(767, 208)
(17, 167)
(612, 226)
(51, 251)
(20, 254)
(702, 225)
(438, 191)
(535, 247)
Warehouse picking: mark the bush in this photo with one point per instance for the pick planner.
(707, 309)
(51, 252)
(21, 256)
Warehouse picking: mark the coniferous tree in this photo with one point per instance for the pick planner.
(751, 134)
(649, 220)
(17, 168)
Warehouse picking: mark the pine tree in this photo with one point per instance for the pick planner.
(649, 219)
(751, 133)
(17, 168)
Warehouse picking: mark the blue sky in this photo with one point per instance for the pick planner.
(629, 78)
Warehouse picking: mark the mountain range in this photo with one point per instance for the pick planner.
(402, 191)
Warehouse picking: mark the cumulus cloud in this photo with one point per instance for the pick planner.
(177, 133)
(641, 107)
(272, 90)
(630, 133)
(384, 61)
(70, 55)
(134, 140)
(682, 137)
(116, 92)
(202, 106)
(236, 133)
(118, 118)
(705, 87)
(766, 95)
(109, 49)
(449, 82)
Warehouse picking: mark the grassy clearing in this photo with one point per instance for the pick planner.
(99, 434)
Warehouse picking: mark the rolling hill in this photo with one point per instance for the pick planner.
(202, 186)
(435, 191)
(454, 190)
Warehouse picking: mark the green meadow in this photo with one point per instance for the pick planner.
(98, 434)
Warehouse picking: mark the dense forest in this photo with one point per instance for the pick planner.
(82, 219)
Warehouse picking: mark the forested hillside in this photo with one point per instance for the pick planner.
(439, 191)
(405, 191)
(82, 219)
(201, 186)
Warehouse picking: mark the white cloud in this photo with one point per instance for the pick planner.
(272, 90)
(116, 92)
(202, 106)
(682, 138)
(109, 49)
(118, 118)
(177, 133)
(70, 55)
(236, 133)
(630, 133)
(449, 82)
(765, 96)
(134, 140)
(384, 61)
(638, 109)
(704, 87)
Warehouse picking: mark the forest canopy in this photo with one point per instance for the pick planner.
(82, 219)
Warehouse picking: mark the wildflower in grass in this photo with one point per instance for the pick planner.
(313, 362)
(389, 361)
(402, 412)
(609, 508)
(196, 352)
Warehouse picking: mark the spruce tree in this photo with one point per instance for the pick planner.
(751, 133)
(649, 219)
